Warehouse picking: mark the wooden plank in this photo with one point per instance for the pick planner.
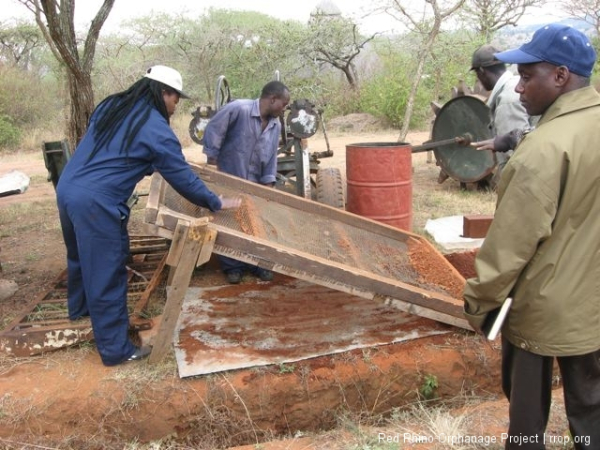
(156, 230)
(209, 174)
(179, 241)
(336, 215)
(155, 197)
(423, 312)
(336, 276)
(192, 237)
(142, 302)
(34, 341)
(168, 218)
(208, 245)
(311, 268)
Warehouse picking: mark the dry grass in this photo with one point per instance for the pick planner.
(16, 219)
(432, 200)
(32, 139)
(180, 123)
(460, 423)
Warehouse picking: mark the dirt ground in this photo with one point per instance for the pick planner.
(68, 399)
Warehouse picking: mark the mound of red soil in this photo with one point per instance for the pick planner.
(464, 262)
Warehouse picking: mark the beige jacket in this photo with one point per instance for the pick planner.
(543, 247)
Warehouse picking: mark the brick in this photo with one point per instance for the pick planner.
(476, 225)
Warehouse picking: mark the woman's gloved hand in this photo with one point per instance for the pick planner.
(230, 202)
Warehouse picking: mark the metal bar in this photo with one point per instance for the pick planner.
(464, 140)
(45, 325)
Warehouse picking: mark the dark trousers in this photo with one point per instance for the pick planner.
(233, 265)
(527, 383)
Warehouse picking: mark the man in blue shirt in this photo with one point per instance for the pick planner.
(242, 140)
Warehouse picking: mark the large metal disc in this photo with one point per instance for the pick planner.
(459, 116)
(303, 120)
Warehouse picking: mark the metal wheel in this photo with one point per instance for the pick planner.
(202, 115)
(222, 93)
(330, 189)
(457, 117)
(287, 180)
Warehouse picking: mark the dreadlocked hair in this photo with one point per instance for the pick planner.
(116, 109)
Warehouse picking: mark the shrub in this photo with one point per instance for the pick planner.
(386, 95)
(10, 136)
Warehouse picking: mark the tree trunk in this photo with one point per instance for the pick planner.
(56, 21)
(82, 105)
(430, 34)
(350, 76)
(410, 104)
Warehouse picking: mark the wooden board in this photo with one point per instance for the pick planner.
(45, 326)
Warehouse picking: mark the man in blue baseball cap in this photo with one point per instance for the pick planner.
(543, 248)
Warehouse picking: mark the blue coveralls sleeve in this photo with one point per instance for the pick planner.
(171, 164)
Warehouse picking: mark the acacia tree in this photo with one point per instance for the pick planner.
(18, 44)
(489, 16)
(587, 10)
(335, 40)
(245, 46)
(55, 19)
(425, 21)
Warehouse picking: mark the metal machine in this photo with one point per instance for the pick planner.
(457, 117)
(56, 156)
(465, 115)
(298, 170)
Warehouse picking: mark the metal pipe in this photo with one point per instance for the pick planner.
(464, 140)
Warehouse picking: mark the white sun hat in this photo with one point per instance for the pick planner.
(167, 75)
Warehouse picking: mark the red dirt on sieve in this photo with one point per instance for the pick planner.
(464, 263)
(248, 217)
(434, 269)
(345, 243)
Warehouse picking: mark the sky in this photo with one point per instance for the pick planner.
(299, 10)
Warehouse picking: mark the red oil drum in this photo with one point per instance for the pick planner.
(379, 182)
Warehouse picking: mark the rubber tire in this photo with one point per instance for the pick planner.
(192, 131)
(330, 189)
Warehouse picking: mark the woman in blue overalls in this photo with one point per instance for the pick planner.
(128, 137)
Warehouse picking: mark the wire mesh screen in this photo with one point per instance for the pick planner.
(310, 231)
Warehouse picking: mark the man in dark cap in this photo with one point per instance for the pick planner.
(506, 109)
(543, 248)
